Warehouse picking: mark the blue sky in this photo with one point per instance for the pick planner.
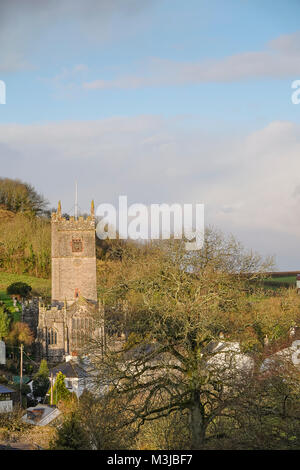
(167, 30)
(162, 100)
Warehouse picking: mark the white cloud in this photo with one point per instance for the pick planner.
(286, 43)
(25, 25)
(67, 82)
(249, 185)
(279, 59)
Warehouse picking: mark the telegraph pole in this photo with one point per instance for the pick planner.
(51, 389)
(21, 372)
(76, 201)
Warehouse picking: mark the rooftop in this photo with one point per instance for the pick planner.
(40, 415)
(69, 369)
(4, 389)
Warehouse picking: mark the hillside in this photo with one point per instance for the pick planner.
(40, 287)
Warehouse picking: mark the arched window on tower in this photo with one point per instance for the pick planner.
(52, 336)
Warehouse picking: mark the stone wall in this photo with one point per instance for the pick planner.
(30, 314)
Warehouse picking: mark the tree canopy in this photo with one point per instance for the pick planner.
(20, 333)
(17, 196)
(176, 308)
(4, 322)
(41, 382)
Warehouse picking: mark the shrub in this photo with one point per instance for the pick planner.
(40, 386)
(12, 421)
(19, 288)
(70, 435)
(60, 391)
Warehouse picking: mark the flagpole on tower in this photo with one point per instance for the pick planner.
(76, 201)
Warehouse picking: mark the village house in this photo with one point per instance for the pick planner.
(76, 377)
(6, 400)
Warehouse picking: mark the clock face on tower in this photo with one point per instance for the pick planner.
(77, 245)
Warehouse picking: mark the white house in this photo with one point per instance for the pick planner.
(2, 353)
(76, 377)
(290, 354)
(6, 402)
(79, 376)
(227, 358)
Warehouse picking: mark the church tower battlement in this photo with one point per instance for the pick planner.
(73, 252)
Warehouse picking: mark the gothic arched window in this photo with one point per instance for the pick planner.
(52, 336)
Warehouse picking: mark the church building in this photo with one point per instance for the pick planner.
(74, 310)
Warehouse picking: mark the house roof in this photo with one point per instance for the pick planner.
(40, 415)
(69, 369)
(89, 306)
(17, 378)
(4, 389)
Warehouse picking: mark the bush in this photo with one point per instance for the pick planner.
(40, 386)
(43, 370)
(12, 421)
(71, 436)
(3, 379)
(19, 288)
(4, 322)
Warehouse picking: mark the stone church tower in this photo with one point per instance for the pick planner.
(73, 251)
(74, 312)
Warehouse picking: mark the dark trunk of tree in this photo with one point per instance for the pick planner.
(197, 424)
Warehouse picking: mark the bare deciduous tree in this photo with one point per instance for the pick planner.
(180, 309)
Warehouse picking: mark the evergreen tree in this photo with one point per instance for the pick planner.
(60, 391)
(71, 436)
(4, 322)
(43, 370)
(41, 382)
(40, 386)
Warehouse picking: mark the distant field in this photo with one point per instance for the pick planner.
(289, 279)
(283, 273)
(275, 280)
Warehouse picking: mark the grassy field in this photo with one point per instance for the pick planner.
(276, 281)
(35, 282)
(40, 287)
(289, 279)
(6, 299)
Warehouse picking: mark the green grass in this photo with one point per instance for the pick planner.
(289, 279)
(7, 300)
(278, 282)
(40, 287)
